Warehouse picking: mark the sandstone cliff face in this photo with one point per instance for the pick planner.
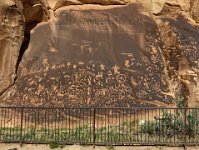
(194, 10)
(11, 37)
(179, 30)
(72, 53)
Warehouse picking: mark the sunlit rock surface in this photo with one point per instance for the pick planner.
(11, 37)
(80, 53)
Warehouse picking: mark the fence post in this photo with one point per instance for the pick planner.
(21, 128)
(94, 136)
(185, 126)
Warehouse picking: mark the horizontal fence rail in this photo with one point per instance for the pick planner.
(100, 126)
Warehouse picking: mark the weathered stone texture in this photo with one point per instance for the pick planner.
(194, 10)
(138, 53)
(11, 37)
(180, 35)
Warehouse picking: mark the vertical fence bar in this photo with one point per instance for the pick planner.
(130, 123)
(9, 130)
(174, 132)
(79, 127)
(94, 134)
(4, 124)
(13, 133)
(21, 128)
(185, 126)
(1, 131)
(159, 124)
(45, 127)
(188, 125)
(108, 136)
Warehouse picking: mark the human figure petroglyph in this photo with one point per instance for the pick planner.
(102, 66)
(45, 62)
(90, 78)
(116, 69)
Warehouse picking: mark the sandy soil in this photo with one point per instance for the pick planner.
(77, 147)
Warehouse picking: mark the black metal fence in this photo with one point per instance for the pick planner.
(100, 126)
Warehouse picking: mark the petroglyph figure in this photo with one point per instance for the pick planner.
(45, 62)
(116, 69)
(102, 67)
(127, 63)
(121, 78)
(94, 83)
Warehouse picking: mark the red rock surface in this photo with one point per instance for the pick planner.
(127, 53)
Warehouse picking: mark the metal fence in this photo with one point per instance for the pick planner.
(100, 126)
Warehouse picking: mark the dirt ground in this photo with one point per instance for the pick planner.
(77, 147)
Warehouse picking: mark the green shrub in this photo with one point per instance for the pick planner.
(54, 145)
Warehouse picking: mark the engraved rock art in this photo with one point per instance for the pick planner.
(132, 54)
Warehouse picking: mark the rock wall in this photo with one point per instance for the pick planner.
(179, 30)
(99, 53)
(11, 36)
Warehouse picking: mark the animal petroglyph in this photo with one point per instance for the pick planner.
(81, 83)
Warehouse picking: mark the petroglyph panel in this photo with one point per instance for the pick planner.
(68, 54)
(85, 84)
(93, 58)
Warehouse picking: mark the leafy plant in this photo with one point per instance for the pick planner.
(54, 145)
(181, 121)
